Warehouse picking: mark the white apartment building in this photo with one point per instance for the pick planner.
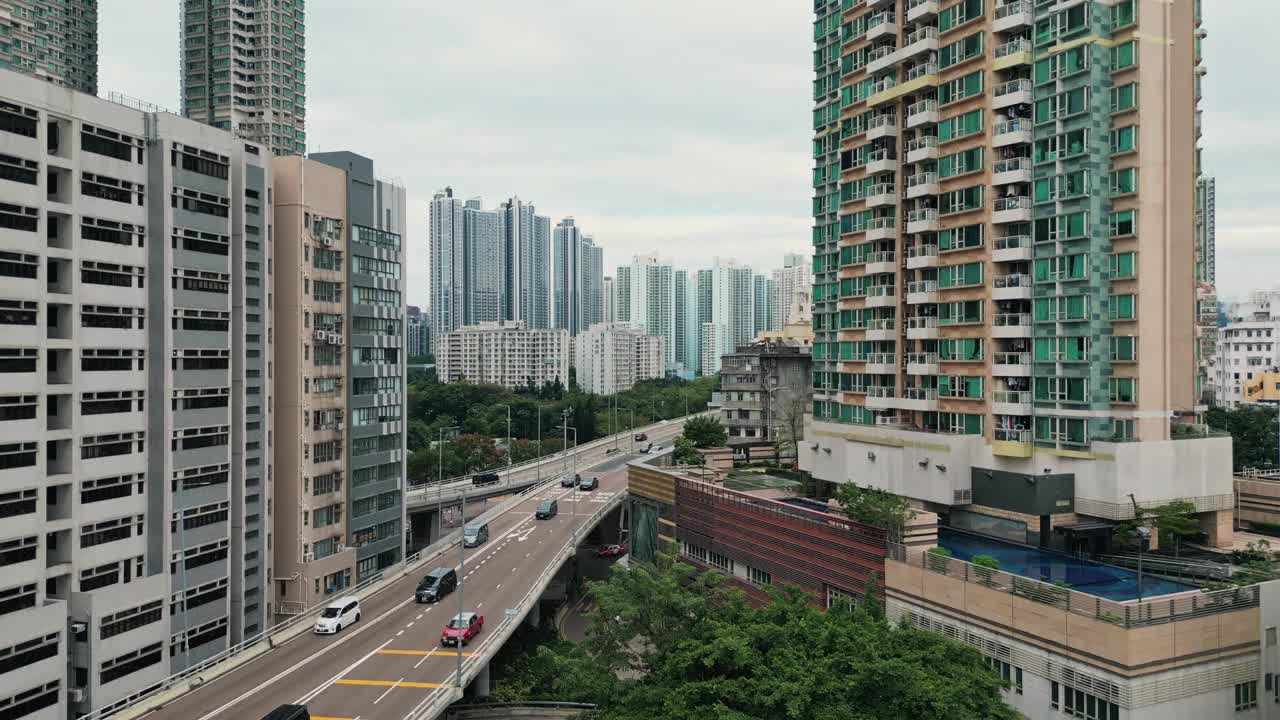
(613, 357)
(135, 459)
(1248, 346)
(795, 276)
(505, 353)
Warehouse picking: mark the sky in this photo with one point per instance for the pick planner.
(675, 126)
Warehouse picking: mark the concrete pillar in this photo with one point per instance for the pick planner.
(480, 686)
(534, 618)
(1218, 526)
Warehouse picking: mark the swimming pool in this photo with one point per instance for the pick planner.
(1108, 581)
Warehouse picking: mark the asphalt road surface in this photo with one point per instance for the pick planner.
(387, 664)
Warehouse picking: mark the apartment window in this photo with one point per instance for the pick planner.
(376, 238)
(110, 360)
(18, 265)
(959, 14)
(198, 517)
(109, 488)
(105, 187)
(29, 702)
(1122, 265)
(201, 360)
(1061, 389)
(22, 502)
(1122, 349)
(196, 637)
(759, 577)
(1061, 25)
(1061, 147)
(376, 296)
(953, 128)
(199, 556)
(19, 170)
(954, 423)
(375, 326)
(1121, 307)
(109, 531)
(131, 662)
(378, 444)
(200, 202)
(1123, 223)
(1124, 97)
(200, 161)
(960, 386)
(1062, 187)
(1071, 226)
(965, 275)
(113, 445)
(1010, 674)
(17, 407)
(376, 267)
(963, 87)
(325, 516)
(378, 473)
(1124, 55)
(375, 356)
(376, 385)
(375, 415)
(20, 597)
(19, 217)
(1061, 268)
(109, 143)
(327, 483)
(195, 597)
(201, 398)
(324, 291)
(960, 163)
(1123, 140)
(201, 437)
(202, 242)
(960, 350)
(1060, 430)
(201, 281)
(122, 622)
(18, 120)
(18, 312)
(1246, 696)
(1122, 390)
(1124, 13)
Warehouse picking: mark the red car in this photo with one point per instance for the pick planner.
(611, 551)
(462, 628)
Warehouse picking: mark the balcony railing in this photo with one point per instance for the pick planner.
(1016, 45)
(922, 106)
(1011, 320)
(916, 251)
(880, 391)
(1013, 242)
(880, 52)
(880, 359)
(880, 19)
(1002, 435)
(1013, 86)
(878, 155)
(922, 70)
(1015, 280)
(922, 358)
(1010, 126)
(1013, 8)
(921, 322)
(922, 142)
(881, 189)
(925, 178)
(923, 33)
(881, 324)
(923, 216)
(881, 223)
(882, 256)
(922, 286)
(913, 4)
(885, 120)
(920, 394)
(886, 84)
(880, 291)
(1017, 202)
(1011, 397)
(1011, 165)
(1011, 358)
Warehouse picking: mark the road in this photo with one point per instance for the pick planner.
(389, 663)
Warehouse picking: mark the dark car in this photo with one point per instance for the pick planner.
(288, 712)
(547, 510)
(589, 484)
(641, 437)
(436, 585)
(566, 481)
(645, 450)
(611, 551)
(486, 478)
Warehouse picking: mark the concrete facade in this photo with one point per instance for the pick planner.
(54, 40)
(139, 511)
(612, 357)
(504, 353)
(765, 390)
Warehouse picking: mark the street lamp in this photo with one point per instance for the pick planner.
(440, 482)
(510, 448)
(566, 429)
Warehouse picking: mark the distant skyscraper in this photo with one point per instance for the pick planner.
(525, 238)
(227, 79)
(684, 333)
(726, 311)
(622, 294)
(577, 278)
(1206, 246)
(765, 292)
(795, 275)
(415, 331)
(610, 314)
(54, 40)
(645, 292)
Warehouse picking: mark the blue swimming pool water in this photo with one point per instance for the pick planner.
(1108, 581)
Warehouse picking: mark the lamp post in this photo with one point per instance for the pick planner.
(564, 444)
(510, 448)
(440, 482)
(537, 466)
(566, 429)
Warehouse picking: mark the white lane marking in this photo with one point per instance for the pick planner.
(479, 605)
(388, 692)
(424, 657)
(305, 661)
(499, 587)
(513, 569)
(324, 685)
(409, 625)
(419, 616)
(399, 633)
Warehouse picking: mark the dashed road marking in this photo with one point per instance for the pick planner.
(409, 625)
(399, 633)
(388, 691)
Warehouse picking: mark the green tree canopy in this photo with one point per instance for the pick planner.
(705, 432)
(685, 452)
(1253, 432)
(875, 507)
(692, 648)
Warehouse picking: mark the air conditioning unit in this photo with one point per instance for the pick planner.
(326, 241)
(308, 557)
(75, 695)
(340, 546)
(340, 426)
(321, 335)
(335, 339)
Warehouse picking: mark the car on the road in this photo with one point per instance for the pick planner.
(475, 535)
(641, 437)
(485, 478)
(288, 712)
(608, 551)
(589, 484)
(547, 509)
(462, 628)
(436, 584)
(645, 450)
(338, 614)
(566, 481)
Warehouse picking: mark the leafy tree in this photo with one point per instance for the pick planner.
(685, 452)
(1174, 522)
(1253, 431)
(705, 432)
(873, 506)
(692, 648)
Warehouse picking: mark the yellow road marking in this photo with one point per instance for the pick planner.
(322, 717)
(419, 653)
(390, 683)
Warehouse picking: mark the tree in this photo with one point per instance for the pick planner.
(705, 432)
(1174, 522)
(1253, 430)
(685, 453)
(873, 506)
(695, 650)
(791, 427)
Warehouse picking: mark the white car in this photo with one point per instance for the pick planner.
(337, 615)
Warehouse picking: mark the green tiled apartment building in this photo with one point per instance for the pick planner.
(54, 40)
(244, 69)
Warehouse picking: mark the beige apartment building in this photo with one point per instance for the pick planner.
(506, 353)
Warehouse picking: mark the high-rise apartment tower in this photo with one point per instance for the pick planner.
(54, 40)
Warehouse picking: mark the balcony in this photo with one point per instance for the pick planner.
(1013, 49)
(922, 112)
(922, 364)
(873, 4)
(922, 70)
(1008, 402)
(918, 399)
(922, 184)
(1014, 92)
(879, 161)
(921, 256)
(922, 291)
(881, 58)
(1012, 15)
(881, 228)
(881, 397)
(882, 126)
(1011, 170)
(880, 262)
(881, 364)
(922, 327)
(882, 25)
(921, 41)
(1012, 248)
(882, 329)
(1011, 132)
(881, 195)
(1011, 443)
(922, 148)
(917, 9)
(1015, 208)
(1011, 325)
(881, 296)
(1011, 364)
(923, 220)
(1015, 286)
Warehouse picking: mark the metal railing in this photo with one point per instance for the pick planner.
(1012, 86)
(1016, 202)
(1007, 358)
(1011, 320)
(1014, 280)
(922, 358)
(1011, 165)
(880, 256)
(1012, 242)
(1016, 45)
(922, 70)
(924, 178)
(922, 322)
(923, 142)
(925, 33)
(1003, 435)
(1013, 8)
(1011, 397)
(923, 215)
(922, 286)
(1009, 126)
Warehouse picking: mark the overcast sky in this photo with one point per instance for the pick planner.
(681, 126)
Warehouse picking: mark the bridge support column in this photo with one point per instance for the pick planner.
(480, 686)
(534, 618)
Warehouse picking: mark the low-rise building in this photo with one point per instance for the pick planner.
(505, 353)
(613, 357)
(1247, 347)
(765, 390)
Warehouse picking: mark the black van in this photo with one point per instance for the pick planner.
(485, 478)
(288, 712)
(436, 585)
(547, 510)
